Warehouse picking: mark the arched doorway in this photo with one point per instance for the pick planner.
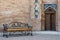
(50, 19)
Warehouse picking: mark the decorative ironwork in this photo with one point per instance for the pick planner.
(17, 28)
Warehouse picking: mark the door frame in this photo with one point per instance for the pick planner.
(43, 17)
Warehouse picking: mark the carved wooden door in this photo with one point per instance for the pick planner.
(50, 21)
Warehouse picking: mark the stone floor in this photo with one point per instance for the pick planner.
(36, 36)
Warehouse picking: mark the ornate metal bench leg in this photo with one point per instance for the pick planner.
(6, 36)
(3, 34)
(4, 31)
(31, 33)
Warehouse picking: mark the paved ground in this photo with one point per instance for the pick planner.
(39, 36)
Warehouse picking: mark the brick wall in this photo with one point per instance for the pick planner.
(14, 10)
(18, 10)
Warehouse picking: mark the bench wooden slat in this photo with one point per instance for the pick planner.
(18, 29)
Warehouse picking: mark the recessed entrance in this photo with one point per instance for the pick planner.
(50, 16)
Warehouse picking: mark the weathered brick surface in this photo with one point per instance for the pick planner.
(18, 10)
(58, 16)
(14, 10)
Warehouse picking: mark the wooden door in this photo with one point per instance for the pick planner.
(49, 21)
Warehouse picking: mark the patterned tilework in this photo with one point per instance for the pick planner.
(51, 5)
(36, 9)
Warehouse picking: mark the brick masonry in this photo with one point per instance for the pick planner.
(18, 10)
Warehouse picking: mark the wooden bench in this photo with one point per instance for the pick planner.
(26, 28)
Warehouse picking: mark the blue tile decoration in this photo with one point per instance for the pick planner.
(51, 5)
(36, 12)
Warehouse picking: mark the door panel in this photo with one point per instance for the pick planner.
(49, 21)
(52, 22)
